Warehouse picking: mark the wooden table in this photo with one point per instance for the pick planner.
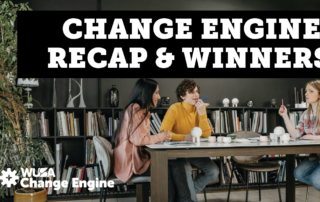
(161, 153)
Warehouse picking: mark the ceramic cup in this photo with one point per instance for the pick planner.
(272, 136)
(226, 139)
(263, 138)
(220, 139)
(286, 137)
(212, 139)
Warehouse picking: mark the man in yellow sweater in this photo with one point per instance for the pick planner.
(180, 118)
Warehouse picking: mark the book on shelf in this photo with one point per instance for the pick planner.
(110, 126)
(100, 123)
(97, 176)
(155, 123)
(72, 128)
(64, 174)
(48, 154)
(215, 117)
(59, 162)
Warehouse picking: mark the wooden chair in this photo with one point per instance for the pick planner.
(246, 163)
(105, 158)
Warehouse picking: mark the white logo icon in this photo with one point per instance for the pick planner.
(9, 177)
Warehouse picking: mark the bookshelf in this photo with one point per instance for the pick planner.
(75, 146)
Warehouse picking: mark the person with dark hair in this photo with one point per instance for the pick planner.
(180, 118)
(133, 132)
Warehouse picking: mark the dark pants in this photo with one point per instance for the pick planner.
(178, 190)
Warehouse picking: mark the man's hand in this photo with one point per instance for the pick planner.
(200, 107)
(188, 137)
(168, 136)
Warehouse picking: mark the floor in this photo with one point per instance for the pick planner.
(267, 195)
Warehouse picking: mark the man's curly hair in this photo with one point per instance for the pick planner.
(187, 85)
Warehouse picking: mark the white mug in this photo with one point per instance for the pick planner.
(272, 136)
(286, 137)
(226, 139)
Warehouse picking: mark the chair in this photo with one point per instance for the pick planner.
(105, 158)
(204, 190)
(246, 163)
(307, 195)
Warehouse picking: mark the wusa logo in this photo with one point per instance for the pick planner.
(9, 178)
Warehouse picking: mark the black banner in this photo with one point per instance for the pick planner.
(168, 44)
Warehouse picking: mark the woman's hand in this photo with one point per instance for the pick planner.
(283, 111)
(308, 137)
(188, 137)
(200, 107)
(168, 136)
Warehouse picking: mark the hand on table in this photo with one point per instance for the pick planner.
(167, 135)
(188, 137)
(200, 107)
(308, 137)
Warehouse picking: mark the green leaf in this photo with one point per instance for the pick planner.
(14, 58)
(30, 99)
(11, 22)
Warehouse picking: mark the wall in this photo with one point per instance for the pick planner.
(260, 91)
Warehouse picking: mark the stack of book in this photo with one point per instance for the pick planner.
(155, 123)
(226, 173)
(96, 124)
(40, 179)
(90, 152)
(258, 122)
(92, 174)
(38, 125)
(228, 121)
(67, 124)
(253, 177)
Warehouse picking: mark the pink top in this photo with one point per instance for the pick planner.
(128, 157)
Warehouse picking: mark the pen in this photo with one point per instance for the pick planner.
(207, 130)
(203, 98)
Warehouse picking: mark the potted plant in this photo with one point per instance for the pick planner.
(17, 148)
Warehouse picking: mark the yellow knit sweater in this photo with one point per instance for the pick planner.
(181, 118)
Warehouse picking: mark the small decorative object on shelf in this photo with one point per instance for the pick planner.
(225, 102)
(70, 104)
(165, 102)
(114, 96)
(235, 102)
(288, 105)
(273, 103)
(250, 103)
(28, 83)
(81, 96)
(54, 97)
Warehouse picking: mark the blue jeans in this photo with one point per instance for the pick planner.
(209, 172)
(308, 172)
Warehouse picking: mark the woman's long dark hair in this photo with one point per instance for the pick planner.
(141, 94)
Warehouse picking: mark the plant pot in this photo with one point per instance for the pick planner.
(39, 195)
